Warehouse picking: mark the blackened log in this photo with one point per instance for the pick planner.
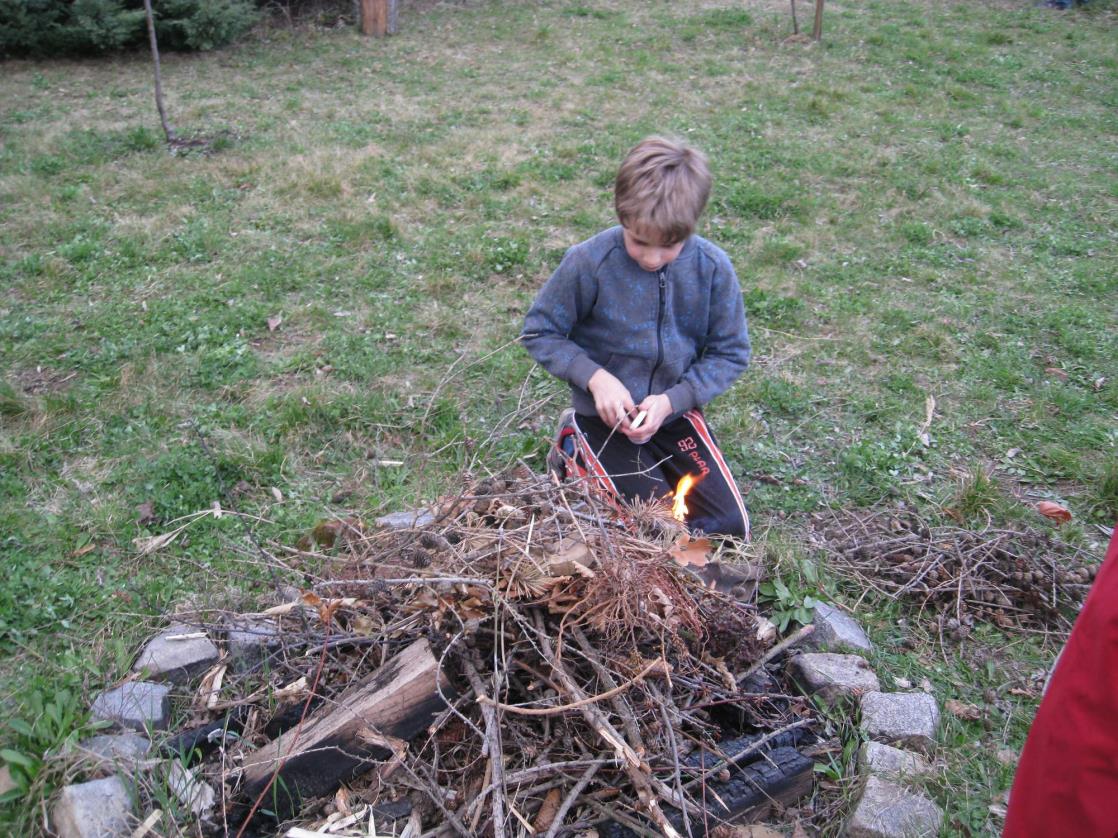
(194, 745)
(701, 759)
(784, 777)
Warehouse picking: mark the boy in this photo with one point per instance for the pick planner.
(645, 321)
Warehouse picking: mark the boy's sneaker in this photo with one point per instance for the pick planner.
(562, 453)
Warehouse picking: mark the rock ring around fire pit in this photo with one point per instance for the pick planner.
(514, 658)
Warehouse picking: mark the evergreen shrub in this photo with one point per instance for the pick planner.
(54, 28)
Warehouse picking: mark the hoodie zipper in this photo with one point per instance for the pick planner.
(663, 275)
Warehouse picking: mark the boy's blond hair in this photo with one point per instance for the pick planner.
(662, 187)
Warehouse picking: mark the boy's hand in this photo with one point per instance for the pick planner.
(657, 409)
(611, 398)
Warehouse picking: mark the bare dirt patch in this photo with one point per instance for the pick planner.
(39, 381)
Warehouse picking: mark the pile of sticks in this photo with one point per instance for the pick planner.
(529, 659)
(1015, 578)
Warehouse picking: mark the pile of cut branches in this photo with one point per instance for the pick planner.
(1024, 579)
(573, 676)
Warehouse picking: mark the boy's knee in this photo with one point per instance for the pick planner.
(732, 524)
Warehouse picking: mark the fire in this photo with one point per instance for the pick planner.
(679, 502)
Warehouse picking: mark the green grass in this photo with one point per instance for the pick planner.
(922, 205)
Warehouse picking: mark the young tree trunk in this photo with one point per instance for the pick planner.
(795, 23)
(167, 129)
(817, 29)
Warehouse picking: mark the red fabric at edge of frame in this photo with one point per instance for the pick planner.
(1067, 778)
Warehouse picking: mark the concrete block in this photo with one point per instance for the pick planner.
(137, 705)
(832, 676)
(249, 641)
(835, 631)
(110, 752)
(177, 654)
(887, 810)
(906, 719)
(97, 809)
(890, 763)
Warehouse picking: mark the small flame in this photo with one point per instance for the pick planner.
(679, 502)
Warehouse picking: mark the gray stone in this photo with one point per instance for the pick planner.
(887, 810)
(177, 654)
(410, 519)
(111, 751)
(249, 641)
(907, 719)
(137, 705)
(891, 763)
(97, 809)
(836, 630)
(832, 676)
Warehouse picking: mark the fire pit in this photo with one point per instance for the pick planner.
(526, 657)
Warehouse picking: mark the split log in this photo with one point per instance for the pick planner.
(369, 724)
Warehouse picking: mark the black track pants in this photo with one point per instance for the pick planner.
(683, 446)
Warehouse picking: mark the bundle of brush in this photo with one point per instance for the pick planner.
(1012, 577)
(590, 667)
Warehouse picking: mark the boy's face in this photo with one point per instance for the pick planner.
(647, 248)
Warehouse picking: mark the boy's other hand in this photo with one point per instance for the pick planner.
(611, 398)
(657, 408)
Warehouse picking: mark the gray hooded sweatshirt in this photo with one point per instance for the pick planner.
(680, 330)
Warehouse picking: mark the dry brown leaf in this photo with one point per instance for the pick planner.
(210, 687)
(753, 830)
(548, 810)
(81, 551)
(1054, 511)
(342, 801)
(148, 545)
(325, 533)
(295, 689)
(962, 710)
(575, 551)
(691, 552)
(280, 610)
(311, 598)
(274, 322)
(362, 625)
(145, 514)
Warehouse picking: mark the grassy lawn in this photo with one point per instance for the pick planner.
(924, 205)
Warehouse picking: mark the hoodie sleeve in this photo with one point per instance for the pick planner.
(566, 298)
(727, 351)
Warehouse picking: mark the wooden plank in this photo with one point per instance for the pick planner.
(347, 737)
(374, 17)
